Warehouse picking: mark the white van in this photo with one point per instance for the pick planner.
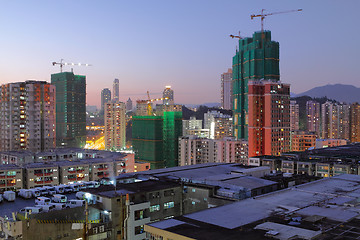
(67, 189)
(31, 210)
(58, 198)
(9, 196)
(25, 193)
(46, 208)
(80, 195)
(42, 201)
(58, 206)
(50, 190)
(75, 203)
(81, 185)
(74, 187)
(59, 189)
(43, 191)
(35, 192)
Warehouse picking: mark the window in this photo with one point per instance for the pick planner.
(139, 229)
(139, 215)
(154, 208)
(168, 205)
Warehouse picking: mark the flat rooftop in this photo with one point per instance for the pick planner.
(327, 198)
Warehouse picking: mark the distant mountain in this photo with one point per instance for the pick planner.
(338, 92)
(210, 105)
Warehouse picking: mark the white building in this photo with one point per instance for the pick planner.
(219, 124)
(294, 116)
(27, 116)
(115, 126)
(191, 124)
(195, 150)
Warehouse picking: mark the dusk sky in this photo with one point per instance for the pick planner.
(185, 44)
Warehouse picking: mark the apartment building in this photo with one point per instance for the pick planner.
(11, 177)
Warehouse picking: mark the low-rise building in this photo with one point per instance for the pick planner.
(41, 174)
(324, 143)
(301, 141)
(11, 177)
(73, 171)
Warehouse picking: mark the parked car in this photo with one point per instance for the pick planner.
(30, 210)
(9, 196)
(42, 201)
(58, 206)
(58, 198)
(75, 203)
(46, 208)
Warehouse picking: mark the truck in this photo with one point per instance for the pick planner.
(50, 190)
(58, 206)
(9, 196)
(59, 189)
(25, 193)
(35, 192)
(30, 210)
(46, 208)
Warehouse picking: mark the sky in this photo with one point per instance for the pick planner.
(183, 43)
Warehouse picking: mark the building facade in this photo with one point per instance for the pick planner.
(27, 116)
(313, 117)
(191, 124)
(256, 58)
(269, 118)
(155, 139)
(105, 97)
(301, 141)
(70, 109)
(294, 116)
(116, 93)
(226, 90)
(129, 105)
(329, 120)
(196, 150)
(220, 125)
(168, 95)
(115, 126)
(355, 122)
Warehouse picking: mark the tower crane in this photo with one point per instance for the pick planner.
(62, 64)
(149, 101)
(234, 36)
(263, 15)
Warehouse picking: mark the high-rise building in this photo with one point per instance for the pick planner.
(294, 116)
(196, 150)
(27, 116)
(105, 97)
(70, 109)
(220, 125)
(115, 126)
(191, 124)
(313, 117)
(169, 94)
(155, 139)
(129, 105)
(116, 93)
(269, 118)
(256, 58)
(355, 122)
(343, 111)
(226, 90)
(329, 119)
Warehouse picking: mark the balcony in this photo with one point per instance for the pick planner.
(80, 170)
(72, 171)
(39, 182)
(11, 184)
(48, 181)
(48, 174)
(38, 174)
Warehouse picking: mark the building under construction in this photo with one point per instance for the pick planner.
(70, 109)
(155, 138)
(257, 58)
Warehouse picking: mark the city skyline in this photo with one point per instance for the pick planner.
(175, 44)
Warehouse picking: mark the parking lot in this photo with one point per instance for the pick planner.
(7, 208)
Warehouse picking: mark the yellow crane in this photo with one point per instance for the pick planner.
(149, 101)
(62, 64)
